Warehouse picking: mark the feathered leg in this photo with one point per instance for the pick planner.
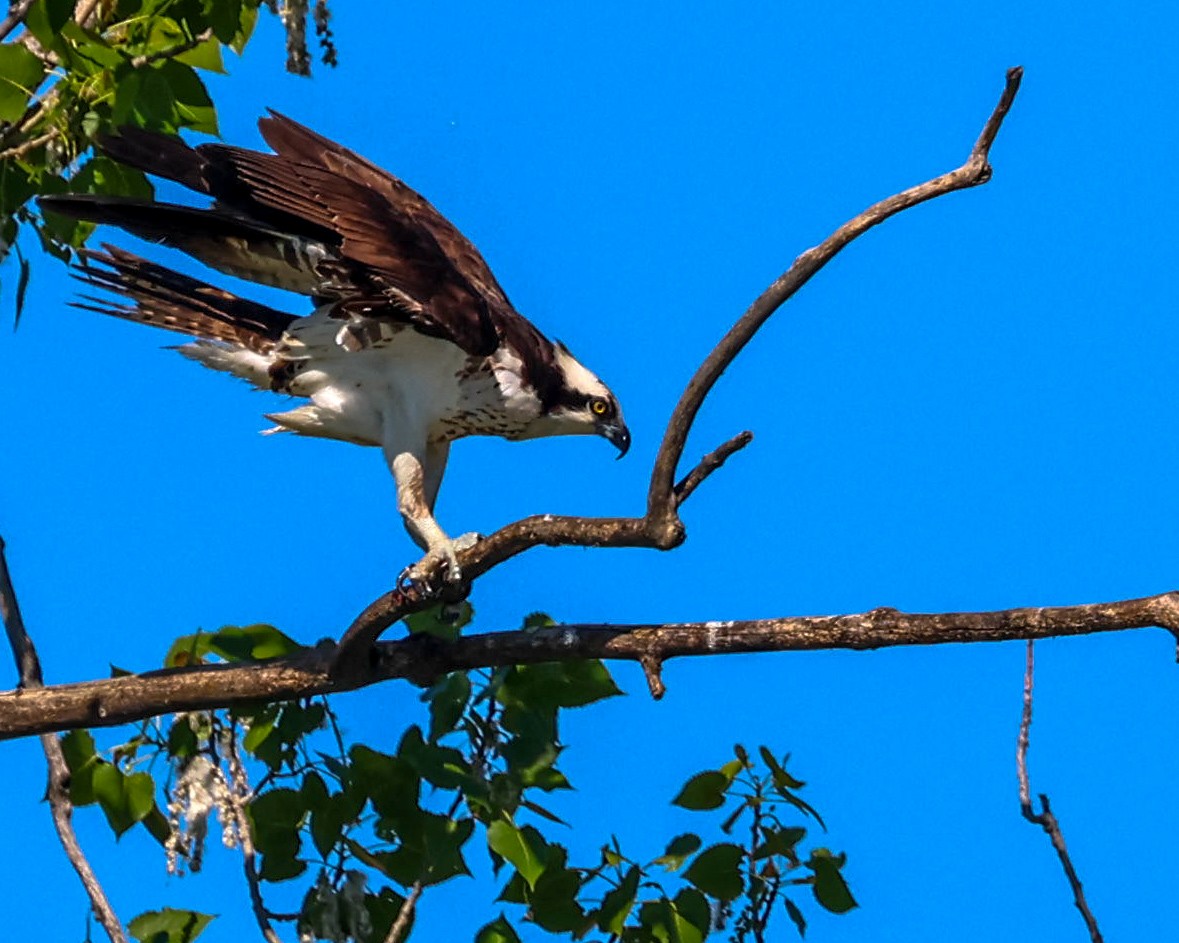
(417, 489)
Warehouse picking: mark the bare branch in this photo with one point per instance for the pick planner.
(976, 170)
(1046, 819)
(240, 794)
(58, 790)
(400, 927)
(421, 657)
(710, 463)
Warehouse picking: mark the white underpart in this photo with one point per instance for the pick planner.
(402, 394)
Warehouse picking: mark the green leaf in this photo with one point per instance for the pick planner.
(538, 620)
(157, 825)
(523, 847)
(663, 922)
(717, 871)
(445, 767)
(618, 903)
(448, 699)
(390, 782)
(679, 849)
(193, 107)
(205, 56)
(58, 13)
(692, 907)
(124, 800)
(249, 18)
(554, 685)
(703, 791)
(251, 643)
(20, 73)
(169, 926)
(779, 841)
(182, 739)
(445, 620)
(103, 175)
(276, 817)
(498, 931)
(795, 915)
(782, 779)
(82, 759)
(383, 909)
(553, 902)
(831, 891)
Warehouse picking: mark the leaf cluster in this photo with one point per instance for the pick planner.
(364, 828)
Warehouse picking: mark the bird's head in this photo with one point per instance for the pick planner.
(584, 405)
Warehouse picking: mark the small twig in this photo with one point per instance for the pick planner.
(1045, 818)
(240, 793)
(172, 51)
(710, 463)
(16, 16)
(653, 671)
(20, 150)
(1024, 740)
(86, 12)
(58, 790)
(404, 915)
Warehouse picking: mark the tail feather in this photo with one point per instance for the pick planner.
(163, 298)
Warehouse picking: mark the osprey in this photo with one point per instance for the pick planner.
(412, 343)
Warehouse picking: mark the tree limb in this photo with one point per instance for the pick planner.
(422, 658)
(1045, 818)
(58, 789)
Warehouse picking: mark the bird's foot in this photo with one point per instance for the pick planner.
(442, 556)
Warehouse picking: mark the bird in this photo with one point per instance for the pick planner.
(410, 342)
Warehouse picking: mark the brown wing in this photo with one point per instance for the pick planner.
(317, 218)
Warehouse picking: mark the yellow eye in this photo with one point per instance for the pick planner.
(599, 407)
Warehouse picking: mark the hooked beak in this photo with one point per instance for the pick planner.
(618, 435)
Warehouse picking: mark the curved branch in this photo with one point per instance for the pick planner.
(975, 171)
(422, 658)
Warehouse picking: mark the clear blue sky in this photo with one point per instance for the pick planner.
(974, 407)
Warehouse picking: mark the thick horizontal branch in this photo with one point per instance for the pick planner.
(422, 658)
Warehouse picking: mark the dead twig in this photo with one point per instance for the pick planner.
(1045, 818)
(400, 925)
(58, 790)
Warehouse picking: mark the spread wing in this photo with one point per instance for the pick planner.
(316, 218)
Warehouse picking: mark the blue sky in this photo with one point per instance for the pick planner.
(972, 408)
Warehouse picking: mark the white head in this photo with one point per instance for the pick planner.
(581, 405)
